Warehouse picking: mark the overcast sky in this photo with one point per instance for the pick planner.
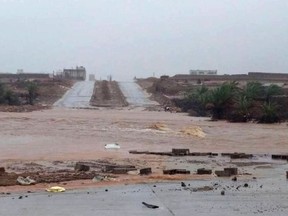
(127, 38)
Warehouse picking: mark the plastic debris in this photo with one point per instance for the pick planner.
(55, 189)
(112, 146)
(25, 181)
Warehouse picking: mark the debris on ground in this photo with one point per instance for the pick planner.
(81, 167)
(193, 131)
(150, 205)
(237, 155)
(180, 152)
(112, 146)
(145, 171)
(175, 152)
(227, 172)
(203, 171)
(176, 171)
(55, 189)
(200, 189)
(118, 169)
(25, 181)
(99, 178)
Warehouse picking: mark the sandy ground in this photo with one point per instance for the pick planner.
(80, 135)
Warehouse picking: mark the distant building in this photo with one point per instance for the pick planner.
(76, 74)
(203, 72)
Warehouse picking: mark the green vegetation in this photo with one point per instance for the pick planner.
(10, 97)
(32, 89)
(228, 101)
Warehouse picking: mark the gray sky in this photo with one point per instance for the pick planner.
(128, 38)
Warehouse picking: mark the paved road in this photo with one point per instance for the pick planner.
(172, 199)
(135, 96)
(78, 96)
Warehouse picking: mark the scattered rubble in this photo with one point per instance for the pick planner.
(145, 171)
(81, 167)
(203, 171)
(176, 171)
(237, 155)
(25, 181)
(227, 172)
(280, 157)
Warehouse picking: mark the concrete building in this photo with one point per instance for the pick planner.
(76, 74)
(203, 72)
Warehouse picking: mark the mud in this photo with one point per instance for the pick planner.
(47, 144)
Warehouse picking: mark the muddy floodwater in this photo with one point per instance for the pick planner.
(65, 134)
(46, 145)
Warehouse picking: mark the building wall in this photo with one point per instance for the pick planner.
(203, 72)
(77, 74)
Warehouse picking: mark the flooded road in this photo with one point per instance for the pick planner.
(135, 96)
(78, 96)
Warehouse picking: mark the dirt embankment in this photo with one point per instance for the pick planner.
(48, 92)
(107, 94)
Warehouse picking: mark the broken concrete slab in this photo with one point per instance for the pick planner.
(279, 157)
(176, 171)
(145, 171)
(81, 167)
(2, 170)
(180, 152)
(110, 168)
(237, 155)
(203, 171)
(231, 170)
(227, 172)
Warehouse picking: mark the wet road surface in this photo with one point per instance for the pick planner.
(135, 96)
(78, 96)
(172, 199)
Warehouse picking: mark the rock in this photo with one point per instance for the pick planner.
(183, 184)
(222, 192)
(246, 185)
(234, 178)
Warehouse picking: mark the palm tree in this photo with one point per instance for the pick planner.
(32, 88)
(223, 98)
(269, 110)
(271, 91)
